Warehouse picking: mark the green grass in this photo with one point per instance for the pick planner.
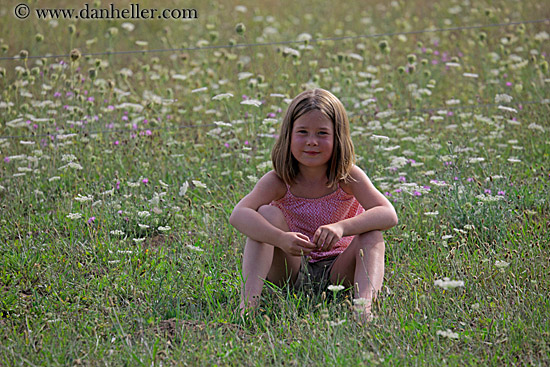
(115, 241)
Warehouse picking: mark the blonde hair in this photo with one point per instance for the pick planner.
(343, 155)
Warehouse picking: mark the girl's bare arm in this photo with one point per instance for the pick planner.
(246, 219)
(379, 213)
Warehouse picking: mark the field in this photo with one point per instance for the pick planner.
(125, 145)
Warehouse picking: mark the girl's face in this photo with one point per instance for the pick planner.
(312, 139)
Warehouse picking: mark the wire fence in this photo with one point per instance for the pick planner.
(424, 110)
(283, 43)
(185, 126)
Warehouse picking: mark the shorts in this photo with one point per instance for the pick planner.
(314, 275)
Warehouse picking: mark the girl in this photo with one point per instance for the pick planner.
(315, 204)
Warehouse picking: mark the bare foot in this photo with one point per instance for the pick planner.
(362, 311)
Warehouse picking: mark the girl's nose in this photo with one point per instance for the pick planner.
(311, 140)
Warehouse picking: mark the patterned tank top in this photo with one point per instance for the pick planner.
(306, 215)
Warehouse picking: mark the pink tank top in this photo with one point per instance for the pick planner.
(305, 215)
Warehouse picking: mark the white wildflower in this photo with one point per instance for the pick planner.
(453, 64)
(17, 157)
(54, 178)
(252, 102)
(499, 98)
(476, 160)
(74, 215)
(127, 105)
(360, 304)
(488, 198)
(222, 96)
(277, 95)
(379, 137)
(452, 101)
(83, 199)
(117, 232)
(335, 288)
(244, 75)
(203, 89)
(155, 200)
(270, 121)
(143, 214)
(534, 126)
(509, 109)
(337, 323)
(447, 334)
(179, 77)
(432, 214)
(68, 158)
(384, 114)
(447, 284)
(183, 189)
(143, 226)
(221, 123)
(447, 237)
(304, 37)
(128, 26)
(542, 36)
(194, 248)
(501, 264)
(264, 166)
(513, 160)
(164, 228)
(290, 51)
(24, 142)
(470, 75)
(469, 227)
(138, 240)
(72, 165)
(199, 184)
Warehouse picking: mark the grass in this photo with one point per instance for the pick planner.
(119, 172)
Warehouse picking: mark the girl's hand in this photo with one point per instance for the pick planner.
(296, 244)
(327, 236)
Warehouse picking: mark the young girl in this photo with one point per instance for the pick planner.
(315, 205)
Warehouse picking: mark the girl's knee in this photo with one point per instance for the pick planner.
(273, 215)
(371, 240)
(371, 237)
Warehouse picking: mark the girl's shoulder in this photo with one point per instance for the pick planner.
(272, 182)
(356, 175)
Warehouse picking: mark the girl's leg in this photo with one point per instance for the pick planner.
(361, 265)
(263, 261)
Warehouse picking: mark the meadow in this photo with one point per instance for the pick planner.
(125, 145)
